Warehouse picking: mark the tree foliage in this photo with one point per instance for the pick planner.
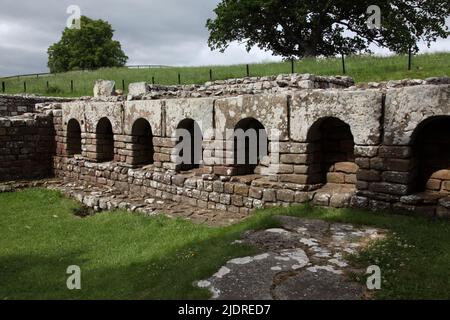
(90, 47)
(298, 28)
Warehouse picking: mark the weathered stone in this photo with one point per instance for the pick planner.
(394, 152)
(294, 178)
(389, 188)
(104, 88)
(346, 167)
(285, 195)
(241, 189)
(396, 177)
(138, 89)
(269, 195)
(255, 192)
(369, 175)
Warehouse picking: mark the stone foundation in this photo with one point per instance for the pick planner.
(15, 105)
(382, 149)
(26, 146)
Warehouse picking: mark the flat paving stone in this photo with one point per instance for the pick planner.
(305, 259)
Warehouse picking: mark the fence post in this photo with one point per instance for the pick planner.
(343, 64)
(123, 85)
(292, 66)
(210, 75)
(153, 80)
(3, 86)
(179, 78)
(48, 85)
(410, 58)
(248, 71)
(24, 86)
(71, 86)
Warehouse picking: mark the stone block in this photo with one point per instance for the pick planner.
(255, 192)
(394, 152)
(441, 175)
(368, 175)
(104, 88)
(389, 188)
(269, 195)
(335, 177)
(285, 195)
(241, 189)
(294, 178)
(346, 167)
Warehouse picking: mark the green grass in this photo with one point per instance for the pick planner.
(362, 68)
(128, 256)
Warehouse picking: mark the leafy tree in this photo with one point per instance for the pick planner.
(298, 28)
(90, 47)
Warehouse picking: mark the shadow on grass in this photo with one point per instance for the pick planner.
(168, 276)
(414, 259)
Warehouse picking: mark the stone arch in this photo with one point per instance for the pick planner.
(104, 140)
(143, 150)
(250, 143)
(331, 155)
(189, 129)
(431, 155)
(73, 138)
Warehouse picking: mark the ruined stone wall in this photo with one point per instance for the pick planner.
(337, 148)
(26, 147)
(233, 87)
(14, 105)
(384, 148)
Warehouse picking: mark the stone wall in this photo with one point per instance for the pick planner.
(382, 148)
(14, 105)
(233, 87)
(26, 147)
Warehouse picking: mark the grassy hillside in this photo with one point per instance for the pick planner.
(361, 68)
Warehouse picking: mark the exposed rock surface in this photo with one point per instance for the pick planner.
(304, 259)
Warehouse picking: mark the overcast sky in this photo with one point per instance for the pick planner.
(169, 32)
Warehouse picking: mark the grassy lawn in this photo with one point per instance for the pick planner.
(128, 256)
(361, 68)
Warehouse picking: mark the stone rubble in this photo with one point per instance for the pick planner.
(230, 87)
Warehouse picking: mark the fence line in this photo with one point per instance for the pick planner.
(37, 75)
(153, 79)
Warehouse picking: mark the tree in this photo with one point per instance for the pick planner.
(89, 47)
(299, 28)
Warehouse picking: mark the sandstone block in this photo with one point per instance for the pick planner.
(285, 195)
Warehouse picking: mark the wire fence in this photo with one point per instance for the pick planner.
(37, 75)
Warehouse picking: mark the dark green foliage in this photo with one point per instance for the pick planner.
(90, 47)
(298, 28)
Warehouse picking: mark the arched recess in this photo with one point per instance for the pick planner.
(189, 144)
(104, 140)
(431, 155)
(73, 138)
(331, 152)
(250, 145)
(143, 150)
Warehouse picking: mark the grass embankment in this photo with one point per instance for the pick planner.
(361, 68)
(128, 256)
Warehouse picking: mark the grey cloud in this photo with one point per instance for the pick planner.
(170, 32)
